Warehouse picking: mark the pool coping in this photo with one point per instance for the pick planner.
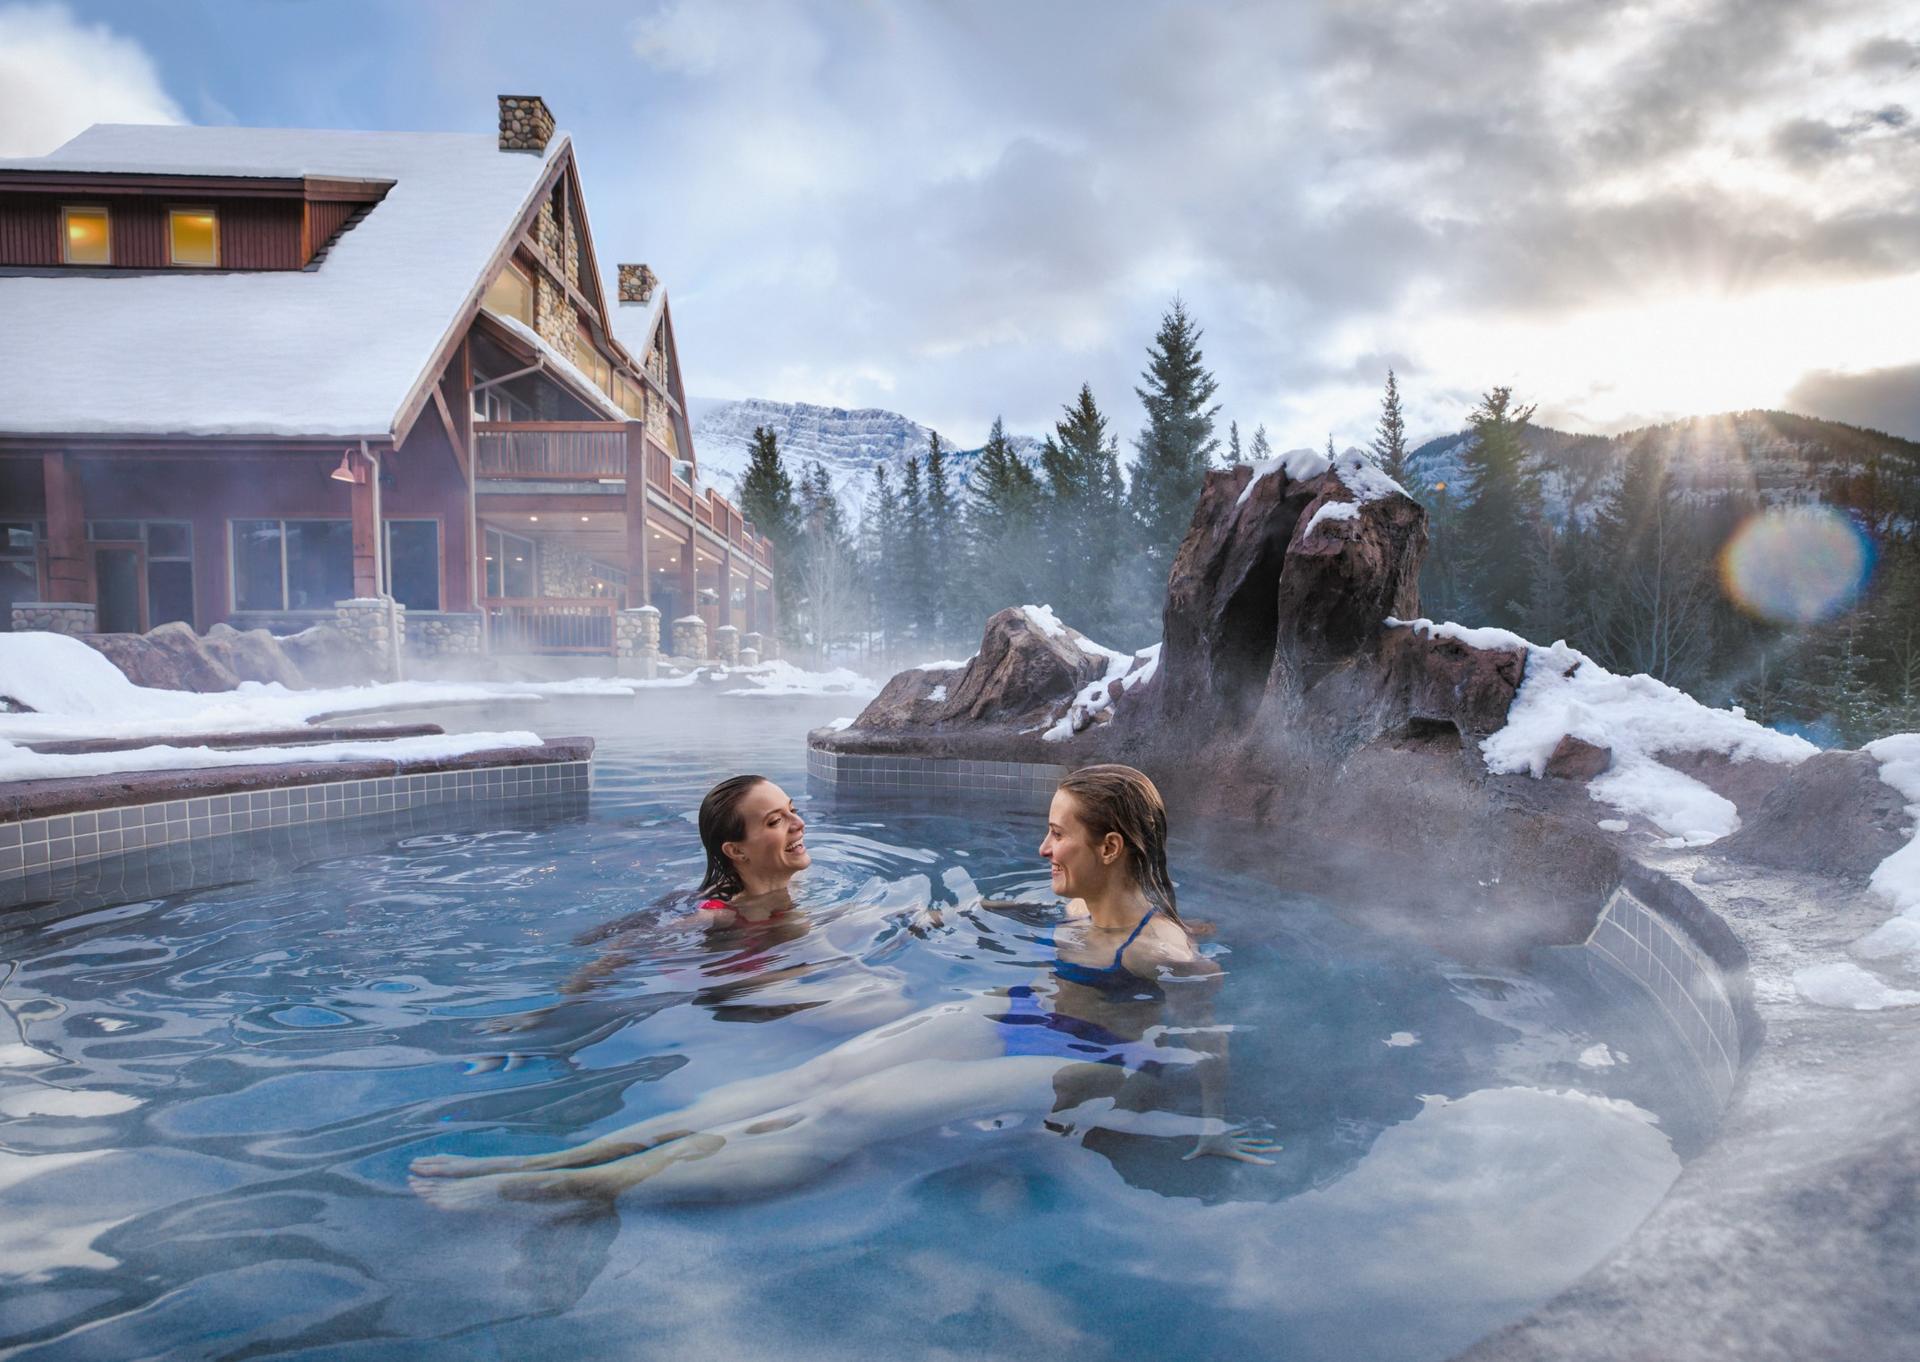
(48, 825)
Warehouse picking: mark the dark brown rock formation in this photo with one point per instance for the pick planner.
(173, 657)
(1577, 759)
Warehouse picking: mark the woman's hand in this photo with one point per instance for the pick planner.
(1236, 1144)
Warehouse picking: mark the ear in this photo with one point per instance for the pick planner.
(1112, 847)
(734, 851)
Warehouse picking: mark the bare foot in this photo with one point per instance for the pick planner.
(460, 1166)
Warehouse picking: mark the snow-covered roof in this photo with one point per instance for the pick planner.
(330, 352)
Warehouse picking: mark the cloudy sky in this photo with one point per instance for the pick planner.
(957, 208)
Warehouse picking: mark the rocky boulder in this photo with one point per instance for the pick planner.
(1028, 670)
(1831, 814)
(327, 655)
(171, 657)
(252, 655)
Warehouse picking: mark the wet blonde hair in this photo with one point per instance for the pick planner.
(1114, 798)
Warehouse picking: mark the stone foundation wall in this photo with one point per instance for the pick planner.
(55, 617)
(377, 627)
(435, 633)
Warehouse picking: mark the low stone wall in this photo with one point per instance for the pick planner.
(55, 617)
(377, 628)
(442, 633)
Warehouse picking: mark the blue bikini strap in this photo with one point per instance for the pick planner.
(1140, 927)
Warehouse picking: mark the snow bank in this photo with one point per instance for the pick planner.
(1847, 985)
(780, 677)
(17, 763)
(1897, 879)
(1565, 692)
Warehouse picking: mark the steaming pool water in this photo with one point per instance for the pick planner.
(209, 1100)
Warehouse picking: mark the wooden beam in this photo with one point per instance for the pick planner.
(67, 575)
(639, 584)
(365, 581)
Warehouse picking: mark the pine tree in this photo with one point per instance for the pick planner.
(1003, 505)
(766, 498)
(942, 540)
(1261, 449)
(1505, 509)
(1086, 518)
(823, 569)
(1233, 445)
(1174, 447)
(1331, 456)
(880, 550)
(1390, 444)
(914, 581)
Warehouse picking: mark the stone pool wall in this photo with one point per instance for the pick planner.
(896, 774)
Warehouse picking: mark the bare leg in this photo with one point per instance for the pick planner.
(777, 1150)
(955, 1031)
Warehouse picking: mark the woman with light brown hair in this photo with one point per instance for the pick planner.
(1052, 1055)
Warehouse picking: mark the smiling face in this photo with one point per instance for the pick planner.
(772, 847)
(1082, 866)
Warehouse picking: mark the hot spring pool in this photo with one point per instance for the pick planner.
(208, 1102)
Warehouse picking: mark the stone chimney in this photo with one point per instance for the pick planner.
(637, 283)
(526, 124)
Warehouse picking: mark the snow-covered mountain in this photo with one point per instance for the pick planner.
(1773, 456)
(847, 443)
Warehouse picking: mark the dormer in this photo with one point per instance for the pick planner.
(130, 220)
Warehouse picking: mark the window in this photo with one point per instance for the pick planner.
(413, 563)
(497, 404)
(291, 564)
(169, 564)
(511, 295)
(85, 237)
(510, 562)
(193, 236)
(19, 575)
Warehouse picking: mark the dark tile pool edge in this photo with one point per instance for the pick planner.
(38, 845)
(894, 774)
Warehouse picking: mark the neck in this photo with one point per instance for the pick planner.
(753, 886)
(1119, 906)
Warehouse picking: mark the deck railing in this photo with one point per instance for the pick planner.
(551, 450)
(551, 624)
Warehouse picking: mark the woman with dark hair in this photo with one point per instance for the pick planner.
(1061, 1053)
(755, 842)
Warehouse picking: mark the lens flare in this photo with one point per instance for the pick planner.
(1796, 565)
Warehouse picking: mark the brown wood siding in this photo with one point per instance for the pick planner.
(29, 230)
(260, 234)
(139, 233)
(324, 221)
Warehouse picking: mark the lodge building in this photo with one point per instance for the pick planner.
(273, 377)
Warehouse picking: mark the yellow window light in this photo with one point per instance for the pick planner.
(88, 240)
(193, 236)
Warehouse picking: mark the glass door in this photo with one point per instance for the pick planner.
(120, 584)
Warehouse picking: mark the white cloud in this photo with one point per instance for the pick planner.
(58, 76)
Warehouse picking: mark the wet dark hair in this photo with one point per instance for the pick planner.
(1114, 798)
(721, 822)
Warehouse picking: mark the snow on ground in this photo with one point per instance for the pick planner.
(1844, 984)
(1897, 879)
(1565, 692)
(780, 677)
(18, 763)
(77, 692)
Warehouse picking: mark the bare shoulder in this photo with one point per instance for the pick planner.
(1166, 945)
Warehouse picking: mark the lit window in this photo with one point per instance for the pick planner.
(511, 295)
(193, 236)
(86, 237)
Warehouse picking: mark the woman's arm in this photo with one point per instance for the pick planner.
(1192, 983)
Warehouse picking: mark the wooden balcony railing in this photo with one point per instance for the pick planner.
(584, 451)
(547, 624)
(559, 450)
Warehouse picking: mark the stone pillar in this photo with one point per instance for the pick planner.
(379, 627)
(753, 642)
(55, 617)
(636, 641)
(690, 637)
(749, 657)
(726, 644)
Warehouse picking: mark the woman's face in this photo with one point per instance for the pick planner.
(1079, 868)
(772, 844)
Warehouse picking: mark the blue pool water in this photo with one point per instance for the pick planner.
(209, 1099)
